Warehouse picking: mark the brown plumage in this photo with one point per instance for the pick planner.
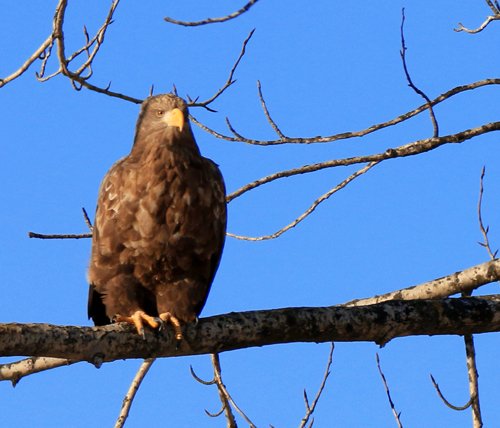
(159, 227)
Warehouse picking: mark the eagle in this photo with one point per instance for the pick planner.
(159, 227)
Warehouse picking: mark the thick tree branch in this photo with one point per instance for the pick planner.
(378, 323)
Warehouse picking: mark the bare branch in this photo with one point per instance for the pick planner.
(268, 116)
(226, 399)
(480, 28)
(87, 219)
(495, 8)
(410, 82)
(484, 230)
(410, 149)
(17, 370)
(445, 401)
(199, 379)
(351, 134)
(458, 282)
(77, 80)
(473, 381)
(134, 387)
(318, 201)
(386, 387)
(310, 408)
(212, 20)
(377, 323)
(36, 55)
(59, 236)
(229, 80)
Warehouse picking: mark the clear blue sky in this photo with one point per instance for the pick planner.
(325, 67)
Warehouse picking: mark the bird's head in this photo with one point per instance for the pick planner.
(164, 113)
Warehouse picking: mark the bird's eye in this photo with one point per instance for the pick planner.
(160, 113)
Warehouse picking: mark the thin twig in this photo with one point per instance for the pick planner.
(484, 230)
(87, 219)
(229, 80)
(134, 387)
(266, 112)
(445, 401)
(226, 407)
(311, 407)
(309, 211)
(224, 396)
(391, 403)
(59, 236)
(36, 55)
(199, 379)
(410, 82)
(213, 20)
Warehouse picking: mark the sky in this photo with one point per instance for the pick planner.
(325, 67)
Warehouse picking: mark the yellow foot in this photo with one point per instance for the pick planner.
(168, 317)
(137, 319)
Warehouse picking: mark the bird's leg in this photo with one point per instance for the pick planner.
(137, 319)
(168, 317)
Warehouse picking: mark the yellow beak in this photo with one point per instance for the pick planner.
(175, 117)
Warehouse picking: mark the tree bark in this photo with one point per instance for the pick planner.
(377, 323)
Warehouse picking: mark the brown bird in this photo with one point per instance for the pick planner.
(159, 227)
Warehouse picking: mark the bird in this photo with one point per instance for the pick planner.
(160, 225)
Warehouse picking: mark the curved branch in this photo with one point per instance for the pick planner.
(309, 211)
(445, 401)
(486, 22)
(212, 20)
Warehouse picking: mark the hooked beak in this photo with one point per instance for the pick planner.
(175, 117)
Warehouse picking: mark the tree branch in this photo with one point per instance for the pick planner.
(134, 387)
(410, 149)
(378, 323)
(311, 407)
(351, 134)
(19, 369)
(458, 282)
(212, 20)
(396, 414)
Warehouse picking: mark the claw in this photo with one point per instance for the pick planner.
(168, 317)
(137, 319)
